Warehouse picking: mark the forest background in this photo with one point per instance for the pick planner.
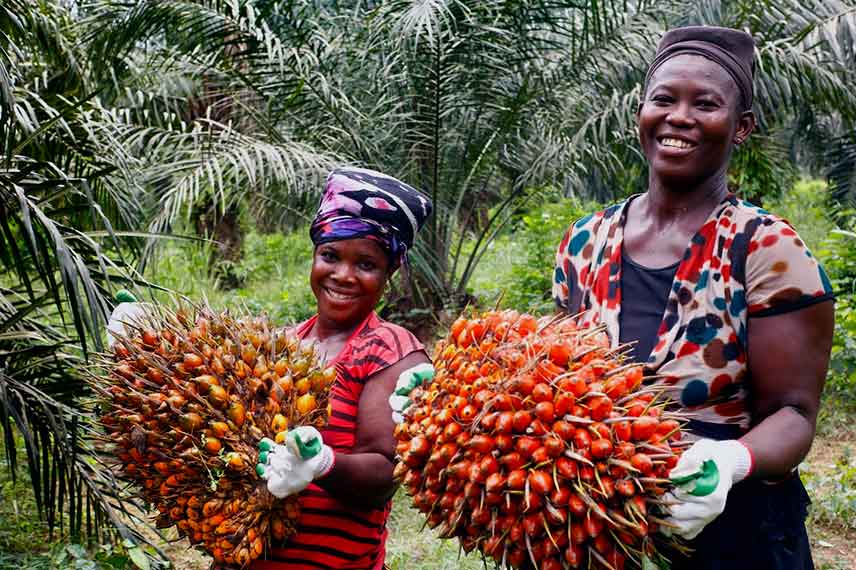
(179, 147)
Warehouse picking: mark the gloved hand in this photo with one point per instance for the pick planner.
(289, 468)
(407, 381)
(704, 475)
(127, 311)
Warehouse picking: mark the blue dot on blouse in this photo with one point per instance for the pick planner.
(698, 331)
(731, 351)
(827, 286)
(738, 303)
(612, 290)
(583, 221)
(578, 242)
(714, 320)
(694, 393)
(702, 280)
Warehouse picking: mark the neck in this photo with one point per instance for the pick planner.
(669, 200)
(325, 328)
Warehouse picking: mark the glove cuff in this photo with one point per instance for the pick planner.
(328, 461)
(744, 462)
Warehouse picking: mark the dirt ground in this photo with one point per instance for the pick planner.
(833, 546)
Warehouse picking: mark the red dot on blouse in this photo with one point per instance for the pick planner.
(769, 240)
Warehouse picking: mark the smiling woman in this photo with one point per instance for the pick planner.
(721, 300)
(364, 227)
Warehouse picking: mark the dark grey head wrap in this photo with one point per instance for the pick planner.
(733, 50)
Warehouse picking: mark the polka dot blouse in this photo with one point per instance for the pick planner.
(743, 263)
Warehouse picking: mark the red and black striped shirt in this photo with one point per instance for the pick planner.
(331, 534)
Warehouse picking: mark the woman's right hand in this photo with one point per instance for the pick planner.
(289, 468)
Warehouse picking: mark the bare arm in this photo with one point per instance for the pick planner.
(364, 477)
(788, 359)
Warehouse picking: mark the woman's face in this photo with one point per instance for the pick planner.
(348, 278)
(690, 119)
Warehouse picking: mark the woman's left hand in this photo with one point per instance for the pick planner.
(289, 468)
(704, 475)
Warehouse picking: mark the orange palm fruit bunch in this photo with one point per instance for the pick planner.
(539, 445)
(187, 396)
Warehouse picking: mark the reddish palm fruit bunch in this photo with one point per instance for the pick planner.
(538, 445)
(188, 395)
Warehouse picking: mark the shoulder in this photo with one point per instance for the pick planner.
(763, 230)
(388, 335)
(583, 230)
(752, 233)
(300, 329)
(378, 345)
(748, 216)
(591, 221)
(780, 273)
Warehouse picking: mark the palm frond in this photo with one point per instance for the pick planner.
(53, 306)
(842, 174)
(215, 161)
(55, 278)
(114, 28)
(788, 75)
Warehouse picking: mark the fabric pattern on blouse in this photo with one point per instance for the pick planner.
(743, 262)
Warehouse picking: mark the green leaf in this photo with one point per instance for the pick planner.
(139, 558)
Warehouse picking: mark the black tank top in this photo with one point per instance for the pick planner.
(644, 294)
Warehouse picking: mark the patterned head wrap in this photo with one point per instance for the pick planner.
(360, 203)
(733, 50)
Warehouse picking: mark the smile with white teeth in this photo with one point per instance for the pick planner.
(676, 143)
(340, 296)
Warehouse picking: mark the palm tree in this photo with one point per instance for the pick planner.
(478, 103)
(441, 94)
(197, 112)
(61, 207)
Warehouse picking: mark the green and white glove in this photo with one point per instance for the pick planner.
(703, 477)
(289, 468)
(407, 381)
(127, 311)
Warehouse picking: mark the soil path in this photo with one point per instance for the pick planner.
(833, 541)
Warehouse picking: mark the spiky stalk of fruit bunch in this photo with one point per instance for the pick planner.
(188, 395)
(537, 444)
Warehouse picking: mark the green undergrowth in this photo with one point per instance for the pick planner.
(24, 538)
(274, 269)
(413, 546)
(517, 270)
(832, 486)
(27, 542)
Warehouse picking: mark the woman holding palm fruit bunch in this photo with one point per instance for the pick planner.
(365, 224)
(724, 303)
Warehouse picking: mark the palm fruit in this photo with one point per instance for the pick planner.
(538, 445)
(188, 395)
